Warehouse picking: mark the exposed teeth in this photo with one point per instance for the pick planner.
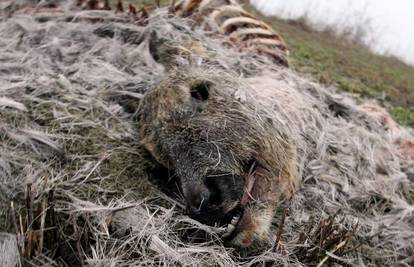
(231, 226)
(235, 220)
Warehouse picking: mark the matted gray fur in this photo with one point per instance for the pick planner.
(8, 250)
(64, 130)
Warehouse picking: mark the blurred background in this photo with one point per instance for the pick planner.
(387, 27)
(363, 47)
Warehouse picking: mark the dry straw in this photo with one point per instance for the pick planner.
(74, 185)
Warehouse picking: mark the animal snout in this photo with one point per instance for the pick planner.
(207, 202)
(202, 205)
(198, 200)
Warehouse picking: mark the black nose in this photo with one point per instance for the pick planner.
(202, 205)
(198, 200)
(206, 202)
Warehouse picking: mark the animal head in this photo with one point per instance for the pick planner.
(190, 123)
(232, 160)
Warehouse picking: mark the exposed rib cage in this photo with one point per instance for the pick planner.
(120, 11)
(137, 15)
(241, 28)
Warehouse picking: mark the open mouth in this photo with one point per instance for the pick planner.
(228, 221)
(232, 221)
(225, 204)
(234, 217)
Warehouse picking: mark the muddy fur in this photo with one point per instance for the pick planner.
(68, 128)
(240, 124)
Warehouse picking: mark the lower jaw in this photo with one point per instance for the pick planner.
(233, 219)
(244, 234)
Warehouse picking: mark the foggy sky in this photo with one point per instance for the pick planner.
(392, 22)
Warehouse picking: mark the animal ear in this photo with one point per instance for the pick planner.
(163, 51)
(171, 54)
(157, 46)
(155, 49)
(200, 91)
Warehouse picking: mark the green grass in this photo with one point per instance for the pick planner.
(350, 67)
(411, 198)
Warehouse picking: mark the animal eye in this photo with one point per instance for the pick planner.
(199, 91)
